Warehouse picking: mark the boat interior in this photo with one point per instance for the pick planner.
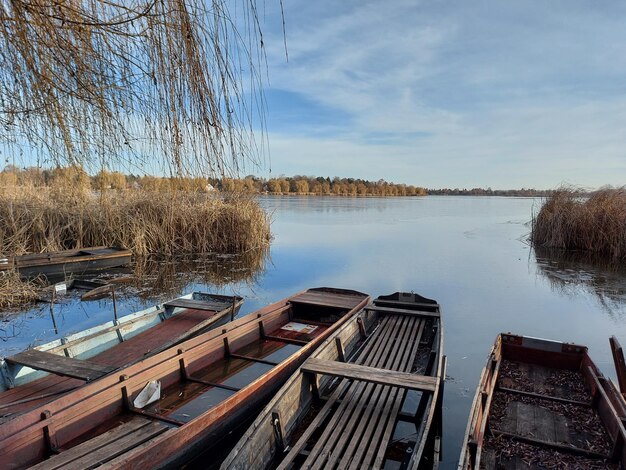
(544, 404)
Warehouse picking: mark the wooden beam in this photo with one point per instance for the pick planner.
(60, 365)
(402, 311)
(544, 397)
(254, 359)
(568, 448)
(370, 374)
(618, 360)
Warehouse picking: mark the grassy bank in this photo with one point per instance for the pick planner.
(594, 224)
(147, 222)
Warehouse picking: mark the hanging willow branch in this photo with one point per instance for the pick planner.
(153, 83)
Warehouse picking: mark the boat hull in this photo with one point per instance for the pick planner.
(285, 434)
(83, 418)
(69, 261)
(563, 408)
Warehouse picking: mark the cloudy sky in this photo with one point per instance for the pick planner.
(449, 94)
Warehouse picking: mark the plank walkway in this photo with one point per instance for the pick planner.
(355, 425)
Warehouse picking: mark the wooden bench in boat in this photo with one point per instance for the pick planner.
(325, 299)
(194, 304)
(356, 423)
(106, 446)
(402, 311)
(60, 365)
(370, 374)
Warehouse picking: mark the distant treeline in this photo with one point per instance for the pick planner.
(491, 192)
(251, 184)
(283, 185)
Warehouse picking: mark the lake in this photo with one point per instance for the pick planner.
(468, 253)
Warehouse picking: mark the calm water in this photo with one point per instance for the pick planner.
(469, 253)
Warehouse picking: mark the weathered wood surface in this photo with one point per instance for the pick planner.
(357, 420)
(536, 408)
(403, 311)
(60, 365)
(327, 299)
(620, 364)
(370, 374)
(195, 304)
(105, 447)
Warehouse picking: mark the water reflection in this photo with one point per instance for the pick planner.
(570, 272)
(145, 283)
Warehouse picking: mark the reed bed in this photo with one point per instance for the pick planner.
(15, 292)
(592, 224)
(147, 222)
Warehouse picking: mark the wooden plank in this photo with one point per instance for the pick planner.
(197, 304)
(544, 397)
(60, 365)
(383, 434)
(356, 393)
(327, 299)
(620, 365)
(402, 311)
(370, 374)
(106, 451)
(92, 445)
(373, 342)
(367, 408)
(375, 435)
(394, 303)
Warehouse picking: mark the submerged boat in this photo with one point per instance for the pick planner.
(369, 397)
(68, 261)
(197, 394)
(543, 404)
(41, 374)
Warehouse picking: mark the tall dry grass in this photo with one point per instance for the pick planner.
(594, 224)
(15, 291)
(37, 219)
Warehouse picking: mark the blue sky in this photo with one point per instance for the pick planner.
(449, 94)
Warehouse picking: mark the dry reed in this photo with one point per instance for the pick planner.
(14, 291)
(595, 224)
(44, 219)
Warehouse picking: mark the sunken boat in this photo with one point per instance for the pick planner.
(57, 263)
(43, 373)
(186, 400)
(369, 397)
(543, 404)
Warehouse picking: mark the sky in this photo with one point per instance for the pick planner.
(497, 94)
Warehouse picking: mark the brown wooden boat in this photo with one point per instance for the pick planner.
(67, 261)
(369, 397)
(210, 385)
(543, 404)
(89, 354)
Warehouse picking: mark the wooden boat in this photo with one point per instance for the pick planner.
(67, 261)
(543, 404)
(209, 385)
(29, 378)
(369, 397)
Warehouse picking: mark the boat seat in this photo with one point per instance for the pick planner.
(401, 311)
(60, 365)
(370, 374)
(105, 447)
(197, 304)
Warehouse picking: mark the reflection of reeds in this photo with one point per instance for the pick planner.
(570, 272)
(162, 278)
(38, 219)
(595, 224)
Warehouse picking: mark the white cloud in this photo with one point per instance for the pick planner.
(462, 94)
